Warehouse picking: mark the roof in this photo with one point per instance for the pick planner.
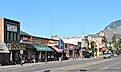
(24, 33)
(45, 38)
(27, 34)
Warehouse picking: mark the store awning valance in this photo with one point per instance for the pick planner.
(16, 46)
(42, 47)
(3, 48)
(57, 49)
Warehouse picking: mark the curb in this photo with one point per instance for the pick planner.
(31, 64)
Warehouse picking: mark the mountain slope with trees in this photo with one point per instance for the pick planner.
(113, 28)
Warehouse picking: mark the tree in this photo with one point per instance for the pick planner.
(93, 44)
(110, 48)
(119, 46)
(119, 43)
(104, 40)
(114, 41)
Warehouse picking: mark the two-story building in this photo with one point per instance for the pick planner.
(9, 34)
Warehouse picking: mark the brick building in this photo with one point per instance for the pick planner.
(9, 36)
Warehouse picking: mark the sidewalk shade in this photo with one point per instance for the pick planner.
(3, 48)
(17, 46)
(42, 47)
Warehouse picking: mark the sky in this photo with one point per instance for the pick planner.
(65, 18)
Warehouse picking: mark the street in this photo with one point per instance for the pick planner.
(106, 65)
(87, 65)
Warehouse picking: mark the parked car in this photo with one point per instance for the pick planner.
(87, 55)
(114, 54)
(107, 55)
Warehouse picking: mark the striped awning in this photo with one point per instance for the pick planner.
(16, 46)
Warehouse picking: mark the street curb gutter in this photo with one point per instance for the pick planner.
(31, 64)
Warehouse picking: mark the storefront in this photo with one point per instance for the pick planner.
(10, 30)
(14, 56)
(58, 47)
(38, 53)
(36, 49)
(76, 52)
(4, 54)
(43, 52)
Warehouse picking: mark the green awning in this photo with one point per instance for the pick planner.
(42, 47)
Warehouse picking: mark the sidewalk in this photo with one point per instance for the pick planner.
(26, 64)
(31, 64)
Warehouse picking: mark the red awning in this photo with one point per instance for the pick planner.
(57, 49)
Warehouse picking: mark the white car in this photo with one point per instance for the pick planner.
(115, 55)
(107, 55)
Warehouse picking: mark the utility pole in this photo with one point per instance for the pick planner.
(45, 56)
(82, 43)
(82, 46)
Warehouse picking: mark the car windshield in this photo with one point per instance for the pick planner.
(107, 53)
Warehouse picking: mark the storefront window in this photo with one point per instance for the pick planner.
(14, 37)
(7, 35)
(11, 36)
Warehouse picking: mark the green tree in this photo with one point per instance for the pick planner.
(104, 40)
(110, 48)
(119, 46)
(119, 43)
(93, 44)
(114, 41)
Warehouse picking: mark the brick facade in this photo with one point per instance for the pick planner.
(1, 30)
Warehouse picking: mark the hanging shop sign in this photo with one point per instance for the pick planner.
(12, 28)
(21, 51)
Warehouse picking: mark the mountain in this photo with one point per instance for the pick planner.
(113, 28)
(113, 25)
(110, 30)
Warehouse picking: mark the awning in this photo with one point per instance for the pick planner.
(57, 49)
(3, 48)
(42, 47)
(17, 46)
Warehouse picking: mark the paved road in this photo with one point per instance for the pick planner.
(88, 65)
(106, 65)
(42, 66)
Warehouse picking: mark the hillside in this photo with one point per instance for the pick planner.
(113, 28)
(110, 30)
